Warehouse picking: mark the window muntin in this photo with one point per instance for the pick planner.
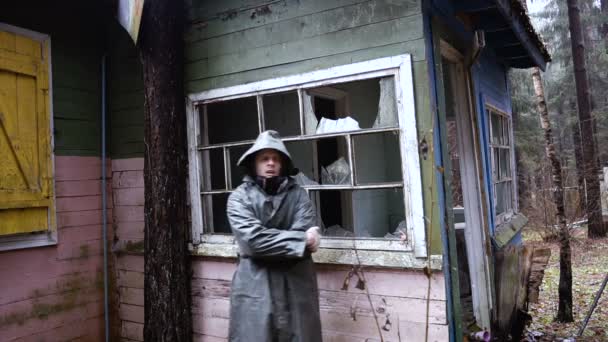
(502, 167)
(392, 75)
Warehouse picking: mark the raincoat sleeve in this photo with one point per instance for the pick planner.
(305, 214)
(258, 241)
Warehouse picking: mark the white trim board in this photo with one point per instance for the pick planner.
(398, 66)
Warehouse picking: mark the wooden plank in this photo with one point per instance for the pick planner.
(410, 284)
(131, 278)
(363, 327)
(133, 331)
(206, 338)
(65, 204)
(411, 309)
(24, 287)
(78, 188)
(74, 235)
(122, 100)
(67, 317)
(129, 196)
(129, 213)
(69, 168)
(132, 116)
(211, 307)
(415, 331)
(81, 218)
(211, 269)
(227, 17)
(130, 263)
(338, 19)
(79, 330)
(128, 150)
(88, 249)
(76, 134)
(217, 327)
(132, 231)
(131, 313)
(128, 164)
(364, 37)
(197, 82)
(131, 296)
(128, 179)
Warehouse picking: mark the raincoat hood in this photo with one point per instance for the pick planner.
(266, 140)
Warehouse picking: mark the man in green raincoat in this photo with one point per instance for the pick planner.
(274, 295)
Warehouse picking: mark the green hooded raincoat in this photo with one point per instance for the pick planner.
(274, 295)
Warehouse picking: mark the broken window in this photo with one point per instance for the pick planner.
(501, 152)
(345, 140)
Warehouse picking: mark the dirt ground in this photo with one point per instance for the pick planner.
(589, 267)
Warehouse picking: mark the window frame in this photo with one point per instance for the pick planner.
(49, 236)
(505, 216)
(400, 67)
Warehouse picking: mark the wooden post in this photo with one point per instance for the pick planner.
(167, 294)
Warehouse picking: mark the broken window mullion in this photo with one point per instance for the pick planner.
(260, 103)
(301, 110)
(351, 159)
(227, 170)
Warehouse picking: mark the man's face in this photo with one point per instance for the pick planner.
(268, 163)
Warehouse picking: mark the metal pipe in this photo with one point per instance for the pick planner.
(104, 199)
(597, 298)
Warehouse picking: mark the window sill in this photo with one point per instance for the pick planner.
(9, 243)
(374, 258)
(507, 230)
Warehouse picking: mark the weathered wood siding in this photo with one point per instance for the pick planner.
(128, 198)
(398, 297)
(55, 293)
(125, 96)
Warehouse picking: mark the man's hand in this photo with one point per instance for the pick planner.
(313, 239)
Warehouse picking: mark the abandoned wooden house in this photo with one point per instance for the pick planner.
(397, 114)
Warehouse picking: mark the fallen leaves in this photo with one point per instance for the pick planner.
(589, 267)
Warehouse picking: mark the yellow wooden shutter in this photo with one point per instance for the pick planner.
(26, 183)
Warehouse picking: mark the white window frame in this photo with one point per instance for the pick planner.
(400, 67)
(48, 237)
(500, 218)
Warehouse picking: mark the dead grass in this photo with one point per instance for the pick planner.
(589, 267)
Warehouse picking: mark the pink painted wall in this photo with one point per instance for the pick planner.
(55, 293)
(399, 296)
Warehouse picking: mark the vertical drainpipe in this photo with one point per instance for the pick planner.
(104, 199)
(454, 330)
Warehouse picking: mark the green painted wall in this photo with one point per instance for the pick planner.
(75, 57)
(125, 96)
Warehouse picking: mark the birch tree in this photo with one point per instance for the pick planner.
(564, 313)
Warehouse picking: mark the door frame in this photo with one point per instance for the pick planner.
(478, 257)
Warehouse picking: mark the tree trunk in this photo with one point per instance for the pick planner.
(578, 157)
(594, 210)
(564, 313)
(167, 301)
